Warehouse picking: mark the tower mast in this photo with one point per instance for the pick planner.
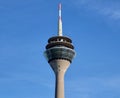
(60, 20)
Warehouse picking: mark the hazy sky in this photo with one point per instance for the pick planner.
(94, 27)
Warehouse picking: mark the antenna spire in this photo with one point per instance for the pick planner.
(59, 21)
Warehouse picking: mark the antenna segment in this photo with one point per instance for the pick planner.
(59, 21)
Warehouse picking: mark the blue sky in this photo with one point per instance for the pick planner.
(94, 27)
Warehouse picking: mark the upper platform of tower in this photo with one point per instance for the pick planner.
(60, 39)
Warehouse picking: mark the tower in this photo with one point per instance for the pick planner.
(59, 53)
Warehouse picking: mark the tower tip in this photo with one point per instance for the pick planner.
(59, 6)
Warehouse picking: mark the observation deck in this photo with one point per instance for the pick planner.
(59, 47)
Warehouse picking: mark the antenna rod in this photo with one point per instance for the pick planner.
(60, 22)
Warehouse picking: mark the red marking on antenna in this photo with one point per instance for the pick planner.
(59, 6)
(60, 18)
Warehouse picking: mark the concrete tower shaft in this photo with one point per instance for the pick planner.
(59, 67)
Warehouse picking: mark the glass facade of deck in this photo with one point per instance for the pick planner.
(59, 53)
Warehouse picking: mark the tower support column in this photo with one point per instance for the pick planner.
(59, 86)
(59, 67)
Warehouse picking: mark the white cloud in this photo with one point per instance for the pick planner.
(107, 8)
(88, 87)
(116, 15)
(113, 82)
